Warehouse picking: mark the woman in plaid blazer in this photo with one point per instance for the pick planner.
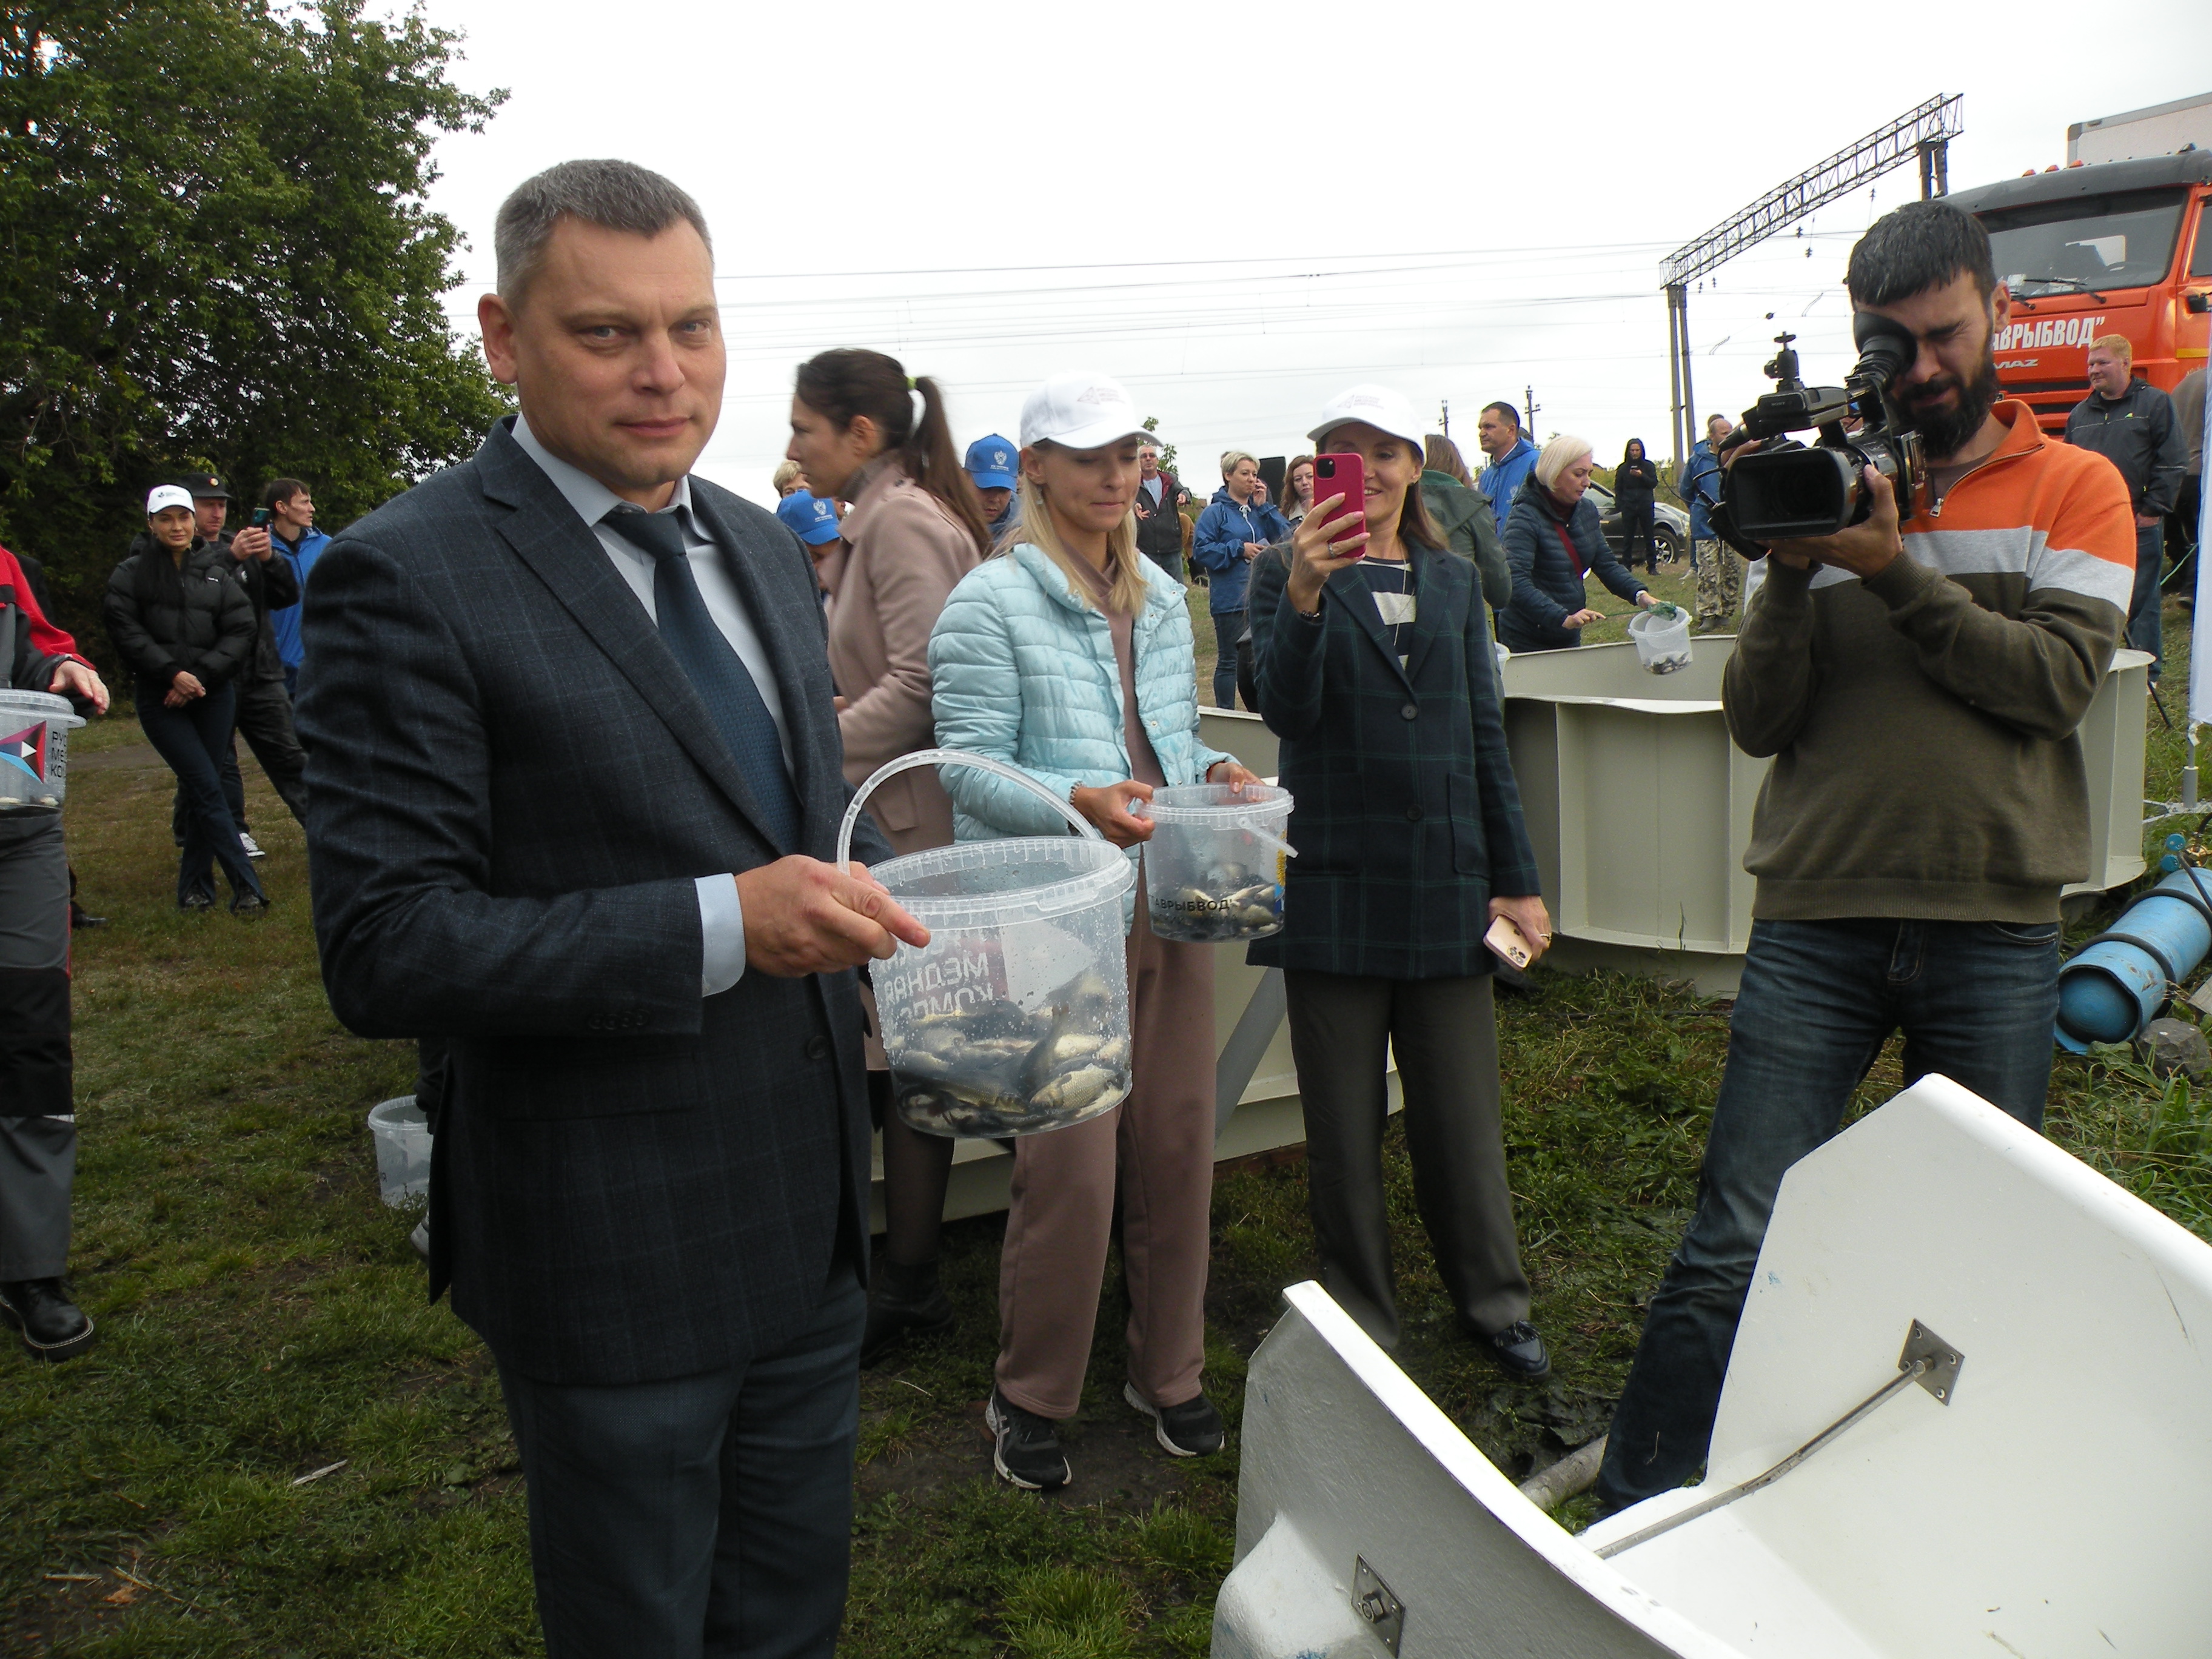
(1375, 672)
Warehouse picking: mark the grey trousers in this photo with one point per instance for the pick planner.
(38, 1128)
(1446, 1034)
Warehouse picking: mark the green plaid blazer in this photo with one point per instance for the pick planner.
(1407, 818)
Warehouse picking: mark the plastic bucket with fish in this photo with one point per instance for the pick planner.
(35, 729)
(1015, 1018)
(1662, 637)
(1214, 865)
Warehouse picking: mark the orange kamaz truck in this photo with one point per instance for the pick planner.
(2116, 248)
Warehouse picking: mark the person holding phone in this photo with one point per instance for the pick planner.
(1067, 653)
(1375, 669)
(1636, 491)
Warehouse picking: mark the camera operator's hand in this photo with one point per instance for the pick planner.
(1581, 619)
(1314, 557)
(1864, 550)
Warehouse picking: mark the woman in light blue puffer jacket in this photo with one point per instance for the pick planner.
(1069, 656)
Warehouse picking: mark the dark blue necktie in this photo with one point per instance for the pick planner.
(717, 673)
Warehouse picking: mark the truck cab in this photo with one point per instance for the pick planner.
(2120, 247)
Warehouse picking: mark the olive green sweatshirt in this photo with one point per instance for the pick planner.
(1922, 721)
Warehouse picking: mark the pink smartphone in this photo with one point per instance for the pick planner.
(1509, 942)
(1345, 476)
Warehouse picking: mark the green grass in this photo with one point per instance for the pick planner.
(262, 1317)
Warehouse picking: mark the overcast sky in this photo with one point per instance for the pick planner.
(1237, 211)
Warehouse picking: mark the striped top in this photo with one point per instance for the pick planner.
(1922, 721)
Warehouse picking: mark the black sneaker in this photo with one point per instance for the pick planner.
(52, 1326)
(1520, 1350)
(902, 1305)
(195, 902)
(1193, 1429)
(1025, 1448)
(249, 904)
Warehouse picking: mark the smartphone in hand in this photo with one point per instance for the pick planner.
(260, 518)
(1345, 476)
(1509, 942)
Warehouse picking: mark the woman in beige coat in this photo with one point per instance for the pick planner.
(865, 434)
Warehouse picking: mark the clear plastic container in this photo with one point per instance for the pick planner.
(1214, 865)
(403, 1140)
(34, 728)
(1015, 1018)
(1662, 638)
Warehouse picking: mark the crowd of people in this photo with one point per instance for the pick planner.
(661, 1064)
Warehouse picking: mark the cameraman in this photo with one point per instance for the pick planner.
(1918, 686)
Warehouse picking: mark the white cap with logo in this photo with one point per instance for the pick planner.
(1377, 406)
(167, 496)
(1080, 412)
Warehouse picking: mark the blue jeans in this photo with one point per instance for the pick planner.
(1977, 1001)
(2144, 632)
(194, 740)
(1228, 628)
(706, 1515)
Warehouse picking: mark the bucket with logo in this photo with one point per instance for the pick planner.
(1214, 865)
(35, 729)
(1014, 1019)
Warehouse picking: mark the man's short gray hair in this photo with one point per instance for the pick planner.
(614, 195)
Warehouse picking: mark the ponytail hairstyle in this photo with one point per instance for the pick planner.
(843, 385)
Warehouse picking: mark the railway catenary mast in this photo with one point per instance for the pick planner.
(1921, 134)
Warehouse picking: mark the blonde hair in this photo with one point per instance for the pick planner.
(2118, 344)
(1233, 459)
(787, 472)
(1127, 588)
(1562, 452)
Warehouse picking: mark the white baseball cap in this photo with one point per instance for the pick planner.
(169, 496)
(1377, 406)
(1080, 412)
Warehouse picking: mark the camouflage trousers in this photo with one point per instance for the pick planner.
(1720, 584)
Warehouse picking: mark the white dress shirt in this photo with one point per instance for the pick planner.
(722, 916)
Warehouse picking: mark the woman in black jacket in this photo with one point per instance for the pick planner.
(1377, 673)
(185, 629)
(1552, 540)
(1636, 491)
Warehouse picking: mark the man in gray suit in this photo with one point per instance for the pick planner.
(574, 777)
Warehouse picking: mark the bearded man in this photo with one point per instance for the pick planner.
(1917, 678)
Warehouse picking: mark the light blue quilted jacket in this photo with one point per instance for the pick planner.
(1022, 670)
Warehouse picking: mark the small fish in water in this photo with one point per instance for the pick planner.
(1234, 902)
(993, 1070)
(1079, 1090)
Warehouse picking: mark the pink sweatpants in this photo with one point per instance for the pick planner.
(1161, 1139)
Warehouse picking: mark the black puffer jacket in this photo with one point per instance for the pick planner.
(164, 620)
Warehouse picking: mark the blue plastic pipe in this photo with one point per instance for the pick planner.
(2118, 983)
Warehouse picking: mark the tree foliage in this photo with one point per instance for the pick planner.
(215, 253)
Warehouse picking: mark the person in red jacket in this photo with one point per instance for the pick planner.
(37, 1120)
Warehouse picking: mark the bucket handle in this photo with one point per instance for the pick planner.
(953, 757)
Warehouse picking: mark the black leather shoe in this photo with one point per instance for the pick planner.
(1520, 1351)
(249, 904)
(903, 1303)
(80, 917)
(193, 903)
(52, 1326)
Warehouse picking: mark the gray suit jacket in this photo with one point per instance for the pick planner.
(512, 786)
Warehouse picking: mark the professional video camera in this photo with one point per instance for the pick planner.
(1783, 490)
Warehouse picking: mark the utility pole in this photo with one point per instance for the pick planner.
(1530, 426)
(1447, 417)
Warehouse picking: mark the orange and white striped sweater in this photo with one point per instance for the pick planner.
(1922, 721)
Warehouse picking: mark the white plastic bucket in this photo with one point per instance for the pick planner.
(1015, 1018)
(403, 1140)
(34, 728)
(1214, 865)
(1663, 641)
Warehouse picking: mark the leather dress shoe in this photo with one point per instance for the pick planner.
(52, 1326)
(905, 1302)
(1519, 1351)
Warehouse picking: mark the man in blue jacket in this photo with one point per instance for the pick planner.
(297, 542)
(1719, 571)
(1512, 457)
(1237, 525)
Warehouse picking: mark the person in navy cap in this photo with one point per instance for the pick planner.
(991, 470)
